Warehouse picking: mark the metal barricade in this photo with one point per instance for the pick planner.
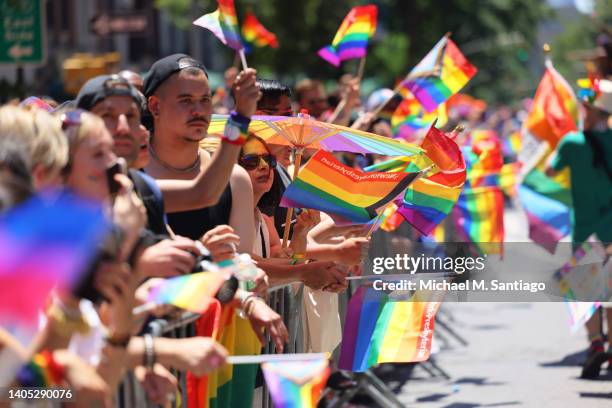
(130, 393)
(285, 300)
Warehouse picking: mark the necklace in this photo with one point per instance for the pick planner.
(167, 166)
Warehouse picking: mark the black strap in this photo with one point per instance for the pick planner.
(264, 253)
(155, 209)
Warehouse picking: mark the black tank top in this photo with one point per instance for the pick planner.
(193, 224)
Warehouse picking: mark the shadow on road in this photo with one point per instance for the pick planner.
(571, 360)
(603, 395)
(480, 381)
(471, 405)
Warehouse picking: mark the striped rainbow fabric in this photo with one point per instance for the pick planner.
(296, 384)
(190, 292)
(555, 109)
(381, 330)
(479, 213)
(443, 72)
(223, 23)
(351, 40)
(255, 34)
(409, 118)
(346, 194)
(429, 200)
(511, 145)
(304, 131)
(547, 202)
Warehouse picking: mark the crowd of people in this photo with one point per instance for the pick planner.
(171, 191)
(176, 190)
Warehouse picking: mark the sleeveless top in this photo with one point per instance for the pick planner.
(261, 245)
(195, 223)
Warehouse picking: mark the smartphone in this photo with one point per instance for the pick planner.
(119, 167)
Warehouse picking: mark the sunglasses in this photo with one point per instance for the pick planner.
(71, 118)
(251, 161)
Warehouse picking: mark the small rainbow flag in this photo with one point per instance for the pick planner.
(296, 384)
(223, 23)
(554, 111)
(511, 145)
(409, 118)
(351, 40)
(479, 213)
(192, 292)
(46, 242)
(443, 72)
(547, 202)
(379, 329)
(346, 194)
(255, 34)
(429, 200)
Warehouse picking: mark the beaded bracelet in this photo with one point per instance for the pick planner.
(41, 371)
(236, 129)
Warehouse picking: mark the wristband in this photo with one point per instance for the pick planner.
(236, 129)
(118, 342)
(149, 352)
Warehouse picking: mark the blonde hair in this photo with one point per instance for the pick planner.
(75, 134)
(39, 131)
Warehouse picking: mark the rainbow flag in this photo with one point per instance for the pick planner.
(379, 329)
(554, 111)
(296, 384)
(443, 72)
(479, 213)
(192, 292)
(409, 118)
(255, 34)
(547, 202)
(429, 200)
(346, 194)
(390, 219)
(351, 40)
(511, 145)
(45, 242)
(464, 105)
(580, 274)
(223, 23)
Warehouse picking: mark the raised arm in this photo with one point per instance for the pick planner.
(206, 189)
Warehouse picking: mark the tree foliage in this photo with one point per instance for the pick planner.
(496, 36)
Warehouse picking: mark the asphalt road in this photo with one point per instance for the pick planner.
(518, 354)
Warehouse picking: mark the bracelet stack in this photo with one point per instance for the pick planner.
(149, 352)
(237, 129)
(42, 371)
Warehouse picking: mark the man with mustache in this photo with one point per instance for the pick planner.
(180, 101)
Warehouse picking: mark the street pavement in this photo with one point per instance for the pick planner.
(518, 354)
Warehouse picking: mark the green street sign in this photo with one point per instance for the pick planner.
(22, 32)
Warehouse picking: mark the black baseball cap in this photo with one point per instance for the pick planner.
(163, 68)
(101, 87)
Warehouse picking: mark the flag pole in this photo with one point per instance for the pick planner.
(296, 168)
(243, 59)
(380, 107)
(361, 68)
(264, 358)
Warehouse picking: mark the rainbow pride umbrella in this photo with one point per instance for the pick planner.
(304, 132)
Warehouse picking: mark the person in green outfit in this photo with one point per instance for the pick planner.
(588, 154)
